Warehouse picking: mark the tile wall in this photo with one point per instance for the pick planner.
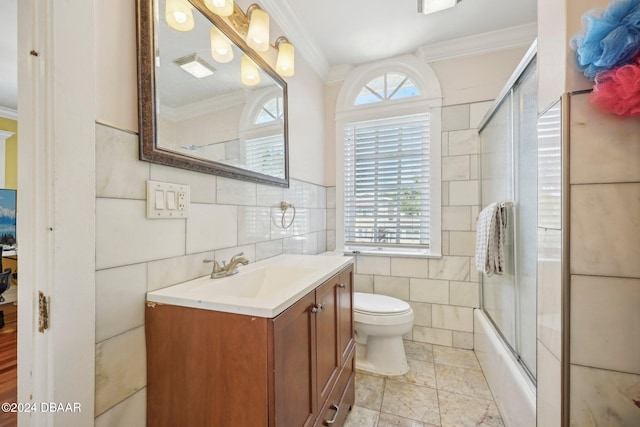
(135, 255)
(605, 273)
(442, 292)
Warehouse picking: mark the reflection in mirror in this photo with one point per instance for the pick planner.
(216, 106)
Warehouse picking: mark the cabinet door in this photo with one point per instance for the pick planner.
(292, 398)
(327, 336)
(345, 328)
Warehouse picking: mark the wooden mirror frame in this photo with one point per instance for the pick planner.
(147, 99)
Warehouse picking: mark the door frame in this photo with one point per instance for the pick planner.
(56, 208)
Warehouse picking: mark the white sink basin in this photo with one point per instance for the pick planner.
(265, 288)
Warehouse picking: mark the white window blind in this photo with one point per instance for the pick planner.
(387, 181)
(550, 169)
(266, 155)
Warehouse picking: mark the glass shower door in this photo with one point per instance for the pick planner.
(509, 174)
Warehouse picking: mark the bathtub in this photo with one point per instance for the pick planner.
(512, 389)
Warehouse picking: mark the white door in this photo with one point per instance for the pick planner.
(56, 210)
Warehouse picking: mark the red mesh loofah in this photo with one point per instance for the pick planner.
(618, 90)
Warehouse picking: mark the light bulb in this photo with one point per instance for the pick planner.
(179, 15)
(249, 73)
(258, 33)
(220, 7)
(220, 46)
(285, 61)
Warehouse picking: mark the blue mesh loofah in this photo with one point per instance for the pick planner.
(609, 40)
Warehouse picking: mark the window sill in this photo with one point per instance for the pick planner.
(391, 253)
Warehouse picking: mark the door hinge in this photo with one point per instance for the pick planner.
(43, 309)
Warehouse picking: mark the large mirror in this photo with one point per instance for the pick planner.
(207, 102)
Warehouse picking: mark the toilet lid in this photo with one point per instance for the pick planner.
(378, 304)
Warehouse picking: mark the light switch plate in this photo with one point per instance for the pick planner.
(167, 201)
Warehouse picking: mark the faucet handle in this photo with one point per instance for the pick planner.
(233, 258)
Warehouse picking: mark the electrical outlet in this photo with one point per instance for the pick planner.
(167, 201)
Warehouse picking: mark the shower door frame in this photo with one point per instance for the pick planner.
(508, 92)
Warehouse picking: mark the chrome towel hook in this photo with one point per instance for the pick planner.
(284, 206)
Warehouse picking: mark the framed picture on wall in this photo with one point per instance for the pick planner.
(8, 235)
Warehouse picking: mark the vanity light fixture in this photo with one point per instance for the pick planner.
(249, 72)
(430, 6)
(220, 7)
(221, 49)
(258, 32)
(285, 63)
(195, 66)
(179, 15)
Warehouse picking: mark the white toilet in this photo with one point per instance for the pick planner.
(380, 322)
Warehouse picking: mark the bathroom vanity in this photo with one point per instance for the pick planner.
(270, 346)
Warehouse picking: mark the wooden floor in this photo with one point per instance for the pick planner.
(9, 362)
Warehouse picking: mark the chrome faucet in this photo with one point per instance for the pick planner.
(225, 269)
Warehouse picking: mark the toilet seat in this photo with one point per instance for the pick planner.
(379, 305)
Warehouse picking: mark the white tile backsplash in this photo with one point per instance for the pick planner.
(605, 230)
(456, 218)
(166, 272)
(463, 142)
(211, 227)
(380, 266)
(410, 267)
(466, 294)
(605, 323)
(605, 140)
(462, 243)
(131, 412)
(463, 193)
(455, 117)
(119, 173)
(449, 268)
(421, 313)
(433, 335)
(268, 249)
(254, 224)
(455, 168)
(124, 236)
(120, 297)
(452, 317)
(202, 186)
(120, 368)
(603, 398)
(268, 195)
(432, 291)
(397, 287)
(234, 192)
(363, 283)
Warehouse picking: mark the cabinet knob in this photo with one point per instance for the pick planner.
(342, 286)
(335, 416)
(316, 309)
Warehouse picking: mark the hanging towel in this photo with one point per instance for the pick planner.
(489, 240)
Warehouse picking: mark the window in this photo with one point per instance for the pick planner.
(386, 87)
(263, 147)
(388, 173)
(386, 198)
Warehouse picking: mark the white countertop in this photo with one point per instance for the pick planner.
(265, 288)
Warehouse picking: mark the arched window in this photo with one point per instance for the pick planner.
(271, 110)
(391, 85)
(262, 149)
(388, 155)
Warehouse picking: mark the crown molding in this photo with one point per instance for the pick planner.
(295, 31)
(8, 113)
(492, 41)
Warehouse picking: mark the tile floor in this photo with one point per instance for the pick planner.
(444, 387)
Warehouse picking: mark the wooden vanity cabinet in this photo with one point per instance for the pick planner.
(209, 368)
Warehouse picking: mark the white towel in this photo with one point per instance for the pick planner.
(489, 240)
